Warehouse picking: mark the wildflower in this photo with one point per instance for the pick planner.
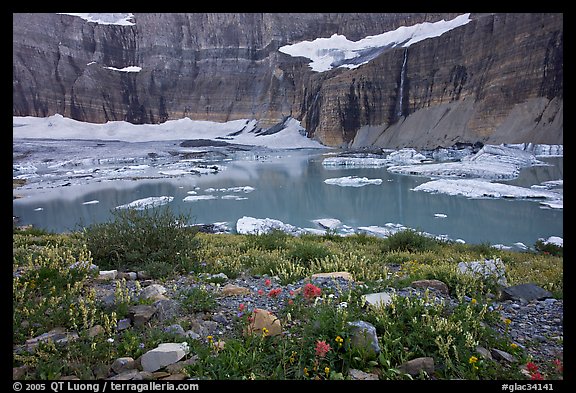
(292, 357)
(311, 291)
(531, 367)
(290, 301)
(558, 365)
(339, 340)
(322, 348)
(210, 339)
(342, 305)
(274, 292)
(292, 293)
(507, 321)
(536, 376)
(241, 308)
(267, 282)
(473, 301)
(260, 292)
(513, 345)
(110, 340)
(473, 360)
(264, 331)
(306, 371)
(327, 371)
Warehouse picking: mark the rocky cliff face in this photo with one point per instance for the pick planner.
(499, 78)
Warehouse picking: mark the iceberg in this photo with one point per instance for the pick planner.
(352, 181)
(479, 188)
(258, 226)
(195, 198)
(491, 162)
(144, 203)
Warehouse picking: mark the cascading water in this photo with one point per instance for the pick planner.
(399, 109)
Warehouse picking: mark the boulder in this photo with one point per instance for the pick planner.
(163, 355)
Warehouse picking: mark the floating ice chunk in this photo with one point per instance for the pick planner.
(233, 197)
(258, 226)
(91, 202)
(195, 198)
(25, 169)
(478, 188)
(174, 172)
(521, 245)
(352, 181)
(556, 240)
(355, 162)
(38, 209)
(144, 203)
(377, 231)
(245, 189)
(406, 156)
(440, 215)
(491, 162)
(328, 223)
(556, 204)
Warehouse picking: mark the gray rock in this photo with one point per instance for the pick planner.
(502, 355)
(175, 329)
(415, 366)
(141, 313)
(364, 336)
(123, 364)
(359, 375)
(166, 309)
(527, 292)
(163, 355)
(154, 292)
(489, 269)
(380, 299)
(123, 324)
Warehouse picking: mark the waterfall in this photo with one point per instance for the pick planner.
(401, 89)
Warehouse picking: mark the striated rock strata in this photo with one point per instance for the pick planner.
(496, 79)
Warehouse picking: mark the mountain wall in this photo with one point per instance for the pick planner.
(496, 79)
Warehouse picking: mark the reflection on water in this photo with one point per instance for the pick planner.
(291, 188)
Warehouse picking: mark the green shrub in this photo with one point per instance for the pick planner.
(198, 299)
(154, 240)
(409, 240)
(549, 248)
(307, 251)
(273, 240)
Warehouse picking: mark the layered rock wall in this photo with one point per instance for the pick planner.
(497, 79)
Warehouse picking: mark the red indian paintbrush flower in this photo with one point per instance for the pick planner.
(322, 348)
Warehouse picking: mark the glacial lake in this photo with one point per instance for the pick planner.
(289, 186)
